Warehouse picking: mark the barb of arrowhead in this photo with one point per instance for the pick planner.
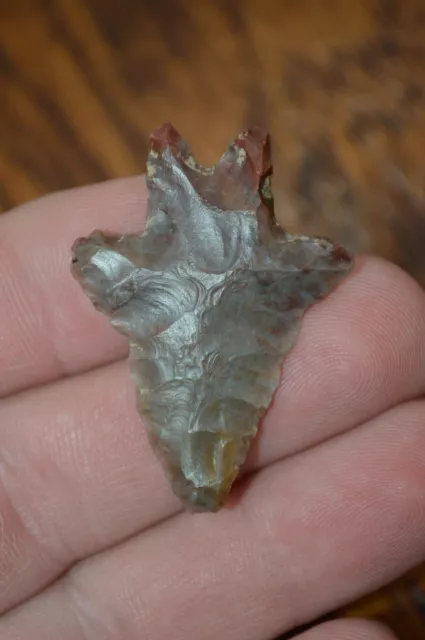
(210, 297)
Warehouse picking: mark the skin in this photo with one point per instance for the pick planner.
(93, 545)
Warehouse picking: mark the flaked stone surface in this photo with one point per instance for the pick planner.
(210, 297)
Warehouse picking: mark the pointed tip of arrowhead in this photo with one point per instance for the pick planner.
(163, 136)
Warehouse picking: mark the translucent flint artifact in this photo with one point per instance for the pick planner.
(210, 297)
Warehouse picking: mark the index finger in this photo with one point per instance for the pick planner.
(48, 329)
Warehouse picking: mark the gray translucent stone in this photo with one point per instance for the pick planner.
(210, 297)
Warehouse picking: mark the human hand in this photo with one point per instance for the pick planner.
(94, 546)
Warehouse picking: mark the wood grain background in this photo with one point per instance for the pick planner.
(340, 85)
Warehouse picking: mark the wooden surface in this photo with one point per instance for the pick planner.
(339, 84)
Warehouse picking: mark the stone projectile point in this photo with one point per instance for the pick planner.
(210, 297)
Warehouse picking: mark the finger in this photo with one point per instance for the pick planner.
(309, 534)
(91, 479)
(48, 328)
(76, 475)
(359, 352)
(348, 630)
